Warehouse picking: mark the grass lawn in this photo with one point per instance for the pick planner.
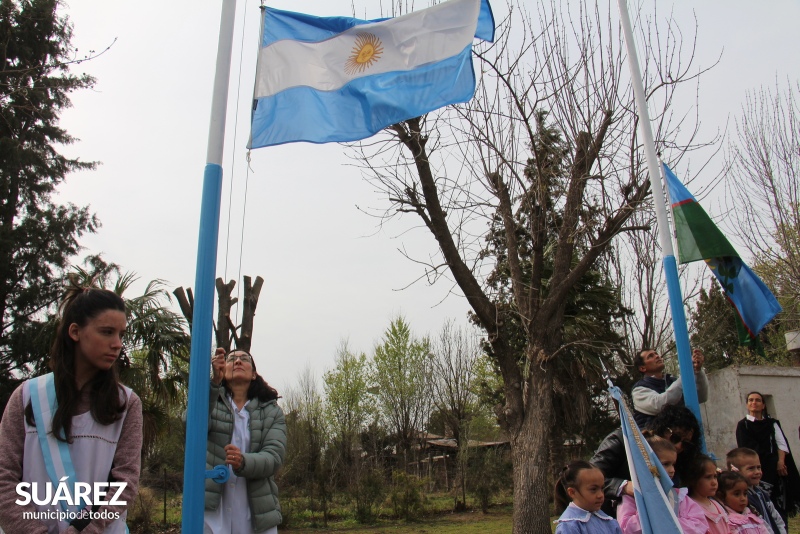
(467, 523)
(464, 523)
(498, 520)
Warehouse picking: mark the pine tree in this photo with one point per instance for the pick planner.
(38, 236)
(714, 327)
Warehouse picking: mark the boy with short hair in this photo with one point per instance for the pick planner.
(747, 462)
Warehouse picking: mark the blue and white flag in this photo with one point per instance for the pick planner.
(337, 79)
(656, 503)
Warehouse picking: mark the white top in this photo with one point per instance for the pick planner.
(780, 439)
(233, 514)
(92, 453)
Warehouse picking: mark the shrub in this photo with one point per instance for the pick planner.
(407, 496)
(489, 470)
(139, 512)
(368, 491)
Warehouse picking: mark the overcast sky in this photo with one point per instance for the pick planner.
(329, 272)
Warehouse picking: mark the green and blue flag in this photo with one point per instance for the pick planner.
(700, 239)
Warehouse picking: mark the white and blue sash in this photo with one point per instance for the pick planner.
(57, 459)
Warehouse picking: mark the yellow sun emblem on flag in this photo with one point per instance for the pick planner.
(366, 52)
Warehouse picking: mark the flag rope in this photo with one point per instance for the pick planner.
(637, 437)
(233, 170)
(241, 237)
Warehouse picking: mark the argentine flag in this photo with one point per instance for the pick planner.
(338, 79)
(652, 488)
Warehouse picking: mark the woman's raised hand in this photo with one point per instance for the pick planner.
(218, 366)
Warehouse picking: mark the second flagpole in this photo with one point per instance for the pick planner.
(668, 255)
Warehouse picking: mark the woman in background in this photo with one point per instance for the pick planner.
(763, 434)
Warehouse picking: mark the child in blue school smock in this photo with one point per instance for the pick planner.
(579, 494)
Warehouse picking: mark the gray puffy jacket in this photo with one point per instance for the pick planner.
(261, 462)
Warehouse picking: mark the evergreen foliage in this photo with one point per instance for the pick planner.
(713, 324)
(37, 236)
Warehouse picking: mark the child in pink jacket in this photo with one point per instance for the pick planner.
(732, 492)
(701, 480)
(690, 516)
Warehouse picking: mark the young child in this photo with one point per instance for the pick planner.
(690, 516)
(579, 495)
(732, 492)
(747, 462)
(701, 480)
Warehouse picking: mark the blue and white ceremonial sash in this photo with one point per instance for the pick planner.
(57, 458)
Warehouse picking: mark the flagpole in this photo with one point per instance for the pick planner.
(202, 316)
(668, 255)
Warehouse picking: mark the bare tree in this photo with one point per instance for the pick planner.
(455, 355)
(224, 329)
(641, 279)
(455, 372)
(524, 189)
(305, 466)
(764, 180)
(638, 270)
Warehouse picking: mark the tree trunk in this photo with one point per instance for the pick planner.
(225, 327)
(251, 294)
(186, 303)
(530, 457)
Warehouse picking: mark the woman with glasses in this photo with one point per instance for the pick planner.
(674, 423)
(246, 431)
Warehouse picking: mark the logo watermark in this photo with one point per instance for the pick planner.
(82, 494)
(68, 517)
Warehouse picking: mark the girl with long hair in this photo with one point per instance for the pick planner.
(72, 439)
(701, 480)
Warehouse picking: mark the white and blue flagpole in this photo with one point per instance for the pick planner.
(668, 255)
(202, 315)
